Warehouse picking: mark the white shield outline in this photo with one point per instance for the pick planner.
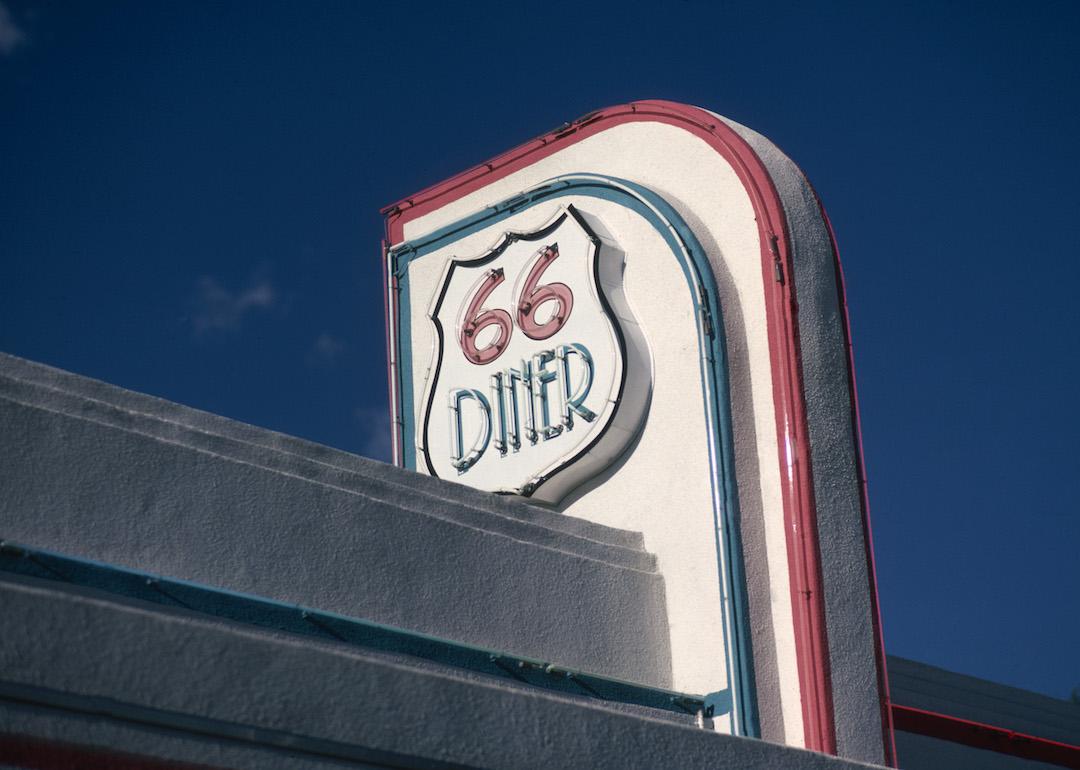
(623, 414)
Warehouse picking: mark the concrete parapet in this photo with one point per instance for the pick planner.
(105, 678)
(101, 473)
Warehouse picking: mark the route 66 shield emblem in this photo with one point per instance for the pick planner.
(539, 376)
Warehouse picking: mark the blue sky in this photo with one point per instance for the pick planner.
(189, 199)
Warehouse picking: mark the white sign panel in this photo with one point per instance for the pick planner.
(528, 391)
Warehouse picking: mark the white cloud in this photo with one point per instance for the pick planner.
(11, 34)
(218, 309)
(325, 349)
(375, 429)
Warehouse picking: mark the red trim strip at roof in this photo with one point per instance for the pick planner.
(983, 736)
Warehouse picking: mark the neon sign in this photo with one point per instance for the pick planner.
(520, 417)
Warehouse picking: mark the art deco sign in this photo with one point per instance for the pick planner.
(530, 369)
(638, 320)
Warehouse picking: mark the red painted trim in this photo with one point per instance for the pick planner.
(799, 510)
(39, 754)
(887, 727)
(978, 735)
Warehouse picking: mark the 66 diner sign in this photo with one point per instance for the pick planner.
(533, 385)
(517, 366)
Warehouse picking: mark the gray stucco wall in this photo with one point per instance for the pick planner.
(101, 672)
(846, 581)
(101, 473)
(919, 752)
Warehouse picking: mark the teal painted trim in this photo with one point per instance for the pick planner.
(405, 367)
(714, 373)
(330, 626)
